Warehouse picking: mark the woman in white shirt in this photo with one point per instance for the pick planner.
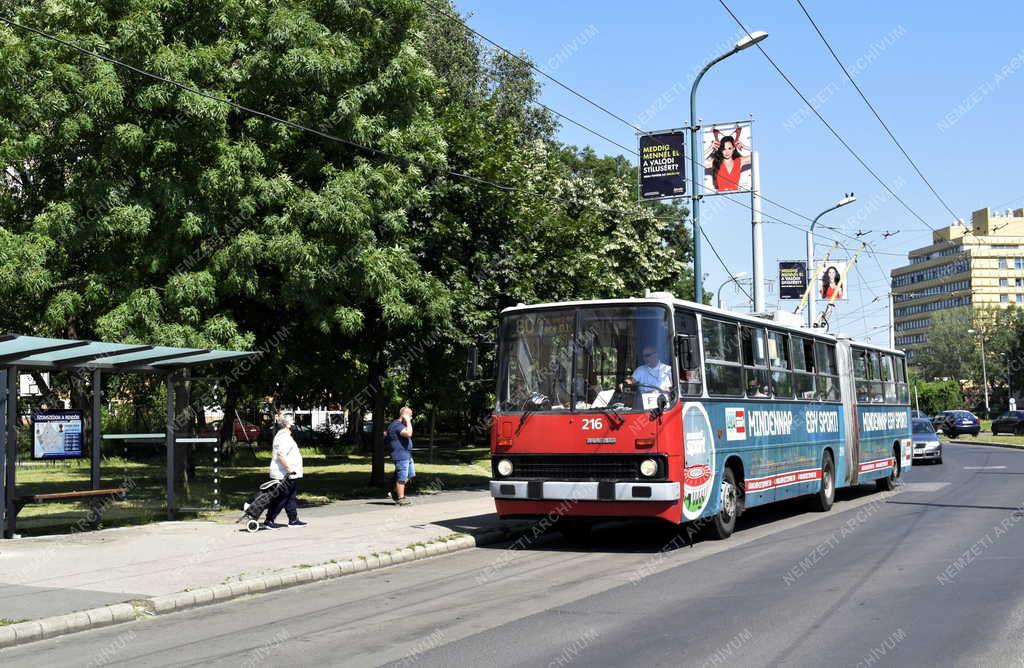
(286, 466)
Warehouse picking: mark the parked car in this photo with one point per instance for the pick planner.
(303, 435)
(926, 442)
(1011, 422)
(920, 414)
(955, 423)
(242, 431)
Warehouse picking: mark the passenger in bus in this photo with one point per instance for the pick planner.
(756, 389)
(653, 373)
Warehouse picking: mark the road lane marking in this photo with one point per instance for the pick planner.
(982, 468)
(923, 486)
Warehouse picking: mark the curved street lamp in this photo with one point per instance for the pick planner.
(696, 166)
(848, 198)
(734, 278)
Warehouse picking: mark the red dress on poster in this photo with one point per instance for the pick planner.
(725, 161)
(728, 179)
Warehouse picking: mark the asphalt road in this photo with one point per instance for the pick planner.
(931, 575)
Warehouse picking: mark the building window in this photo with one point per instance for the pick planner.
(1018, 263)
(1020, 298)
(1004, 282)
(1004, 299)
(1002, 263)
(1018, 282)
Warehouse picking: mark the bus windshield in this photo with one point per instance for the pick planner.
(588, 358)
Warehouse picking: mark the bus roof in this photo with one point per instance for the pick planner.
(668, 299)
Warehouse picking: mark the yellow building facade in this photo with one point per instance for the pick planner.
(978, 266)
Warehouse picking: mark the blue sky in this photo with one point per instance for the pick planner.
(919, 63)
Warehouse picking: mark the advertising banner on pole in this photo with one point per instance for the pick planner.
(792, 279)
(56, 434)
(833, 283)
(662, 165)
(727, 150)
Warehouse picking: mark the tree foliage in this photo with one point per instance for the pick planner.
(136, 211)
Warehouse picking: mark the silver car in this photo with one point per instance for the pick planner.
(926, 442)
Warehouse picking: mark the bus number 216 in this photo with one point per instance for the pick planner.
(591, 424)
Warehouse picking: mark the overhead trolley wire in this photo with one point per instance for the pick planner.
(839, 137)
(324, 135)
(447, 12)
(875, 112)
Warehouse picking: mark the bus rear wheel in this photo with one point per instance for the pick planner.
(822, 501)
(723, 524)
(888, 483)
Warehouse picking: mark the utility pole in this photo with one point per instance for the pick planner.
(847, 199)
(757, 233)
(697, 159)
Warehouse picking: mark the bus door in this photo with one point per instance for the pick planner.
(844, 359)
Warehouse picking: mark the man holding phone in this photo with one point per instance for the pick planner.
(400, 439)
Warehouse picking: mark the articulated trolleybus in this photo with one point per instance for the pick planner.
(662, 408)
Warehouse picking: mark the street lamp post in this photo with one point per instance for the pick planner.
(847, 199)
(696, 165)
(984, 372)
(734, 277)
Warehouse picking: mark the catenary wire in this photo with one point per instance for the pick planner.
(835, 133)
(448, 13)
(875, 112)
(298, 126)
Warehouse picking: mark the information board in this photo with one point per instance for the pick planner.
(662, 165)
(792, 279)
(56, 434)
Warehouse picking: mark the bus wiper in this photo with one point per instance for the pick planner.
(535, 401)
(614, 417)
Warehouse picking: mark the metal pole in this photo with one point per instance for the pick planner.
(892, 327)
(169, 436)
(810, 277)
(984, 374)
(12, 451)
(3, 453)
(696, 180)
(757, 233)
(97, 381)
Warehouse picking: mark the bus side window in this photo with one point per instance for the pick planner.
(902, 390)
(888, 380)
(803, 364)
(877, 394)
(860, 374)
(828, 372)
(688, 354)
(755, 371)
(721, 358)
(778, 360)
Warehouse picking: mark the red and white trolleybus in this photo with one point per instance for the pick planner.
(663, 408)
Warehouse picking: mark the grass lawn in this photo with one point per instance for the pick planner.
(327, 477)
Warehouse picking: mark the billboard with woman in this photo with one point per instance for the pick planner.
(727, 149)
(832, 285)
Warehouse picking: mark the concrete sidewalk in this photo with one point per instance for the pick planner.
(53, 575)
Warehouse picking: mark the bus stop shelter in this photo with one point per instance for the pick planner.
(25, 354)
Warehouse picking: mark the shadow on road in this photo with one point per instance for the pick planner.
(639, 536)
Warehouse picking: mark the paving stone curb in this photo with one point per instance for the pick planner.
(51, 627)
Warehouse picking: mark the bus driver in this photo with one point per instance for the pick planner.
(653, 373)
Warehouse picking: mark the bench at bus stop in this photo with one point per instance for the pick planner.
(97, 496)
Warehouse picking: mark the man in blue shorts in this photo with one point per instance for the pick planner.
(400, 439)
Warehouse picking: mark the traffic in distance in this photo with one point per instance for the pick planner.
(661, 408)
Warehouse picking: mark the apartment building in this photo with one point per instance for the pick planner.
(980, 265)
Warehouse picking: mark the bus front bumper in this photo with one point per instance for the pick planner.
(537, 490)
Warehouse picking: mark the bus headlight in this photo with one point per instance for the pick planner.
(649, 468)
(504, 468)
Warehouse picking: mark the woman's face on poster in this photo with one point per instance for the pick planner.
(728, 149)
(832, 275)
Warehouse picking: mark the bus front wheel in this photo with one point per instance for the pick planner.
(724, 522)
(822, 501)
